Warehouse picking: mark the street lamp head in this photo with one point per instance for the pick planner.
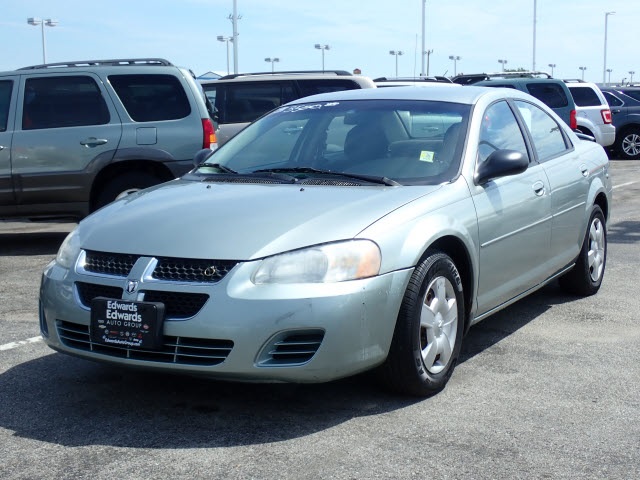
(34, 21)
(322, 47)
(454, 57)
(552, 65)
(51, 23)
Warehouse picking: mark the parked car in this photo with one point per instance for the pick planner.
(239, 99)
(552, 91)
(76, 135)
(625, 113)
(411, 81)
(593, 115)
(335, 235)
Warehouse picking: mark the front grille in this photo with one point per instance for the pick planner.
(116, 264)
(192, 270)
(177, 305)
(294, 348)
(174, 350)
(89, 291)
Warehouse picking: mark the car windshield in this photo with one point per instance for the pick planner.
(405, 142)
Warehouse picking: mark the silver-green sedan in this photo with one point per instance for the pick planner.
(344, 232)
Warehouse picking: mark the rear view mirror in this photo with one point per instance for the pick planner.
(202, 156)
(501, 163)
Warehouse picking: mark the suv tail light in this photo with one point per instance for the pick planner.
(573, 122)
(209, 134)
(606, 115)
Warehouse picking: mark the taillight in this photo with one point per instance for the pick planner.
(573, 123)
(208, 134)
(606, 115)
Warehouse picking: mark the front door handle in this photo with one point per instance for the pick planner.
(1, 147)
(538, 188)
(93, 142)
(584, 170)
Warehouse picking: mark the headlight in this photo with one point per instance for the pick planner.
(69, 250)
(336, 262)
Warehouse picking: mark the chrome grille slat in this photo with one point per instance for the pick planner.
(192, 270)
(175, 350)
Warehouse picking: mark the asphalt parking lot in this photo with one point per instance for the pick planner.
(547, 388)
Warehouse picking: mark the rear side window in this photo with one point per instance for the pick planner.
(67, 101)
(313, 87)
(245, 102)
(149, 98)
(545, 132)
(550, 93)
(612, 100)
(6, 86)
(585, 97)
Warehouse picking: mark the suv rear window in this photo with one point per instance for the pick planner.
(585, 97)
(65, 101)
(550, 93)
(635, 94)
(149, 98)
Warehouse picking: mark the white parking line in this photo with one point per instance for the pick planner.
(624, 184)
(9, 346)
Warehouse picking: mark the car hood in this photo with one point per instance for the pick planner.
(237, 222)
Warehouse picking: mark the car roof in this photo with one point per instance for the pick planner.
(293, 75)
(468, 95)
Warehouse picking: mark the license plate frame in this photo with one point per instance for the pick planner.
(126, 323)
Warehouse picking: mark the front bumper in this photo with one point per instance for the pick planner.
(293, 333)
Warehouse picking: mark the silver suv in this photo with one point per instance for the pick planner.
(242, 98)
(593, 115)
(76, 135)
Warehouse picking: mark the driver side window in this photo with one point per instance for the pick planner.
(500, 131)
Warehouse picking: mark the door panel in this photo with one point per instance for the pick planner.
(7, 115)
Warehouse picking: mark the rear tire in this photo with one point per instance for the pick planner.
(123, 185)
(586, 276)
(428, 334)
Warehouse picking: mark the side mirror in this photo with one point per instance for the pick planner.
(501, 163)
(202, 156)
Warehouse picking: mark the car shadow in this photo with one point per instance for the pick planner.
(626, 232)
(73, 402)
(21, 244)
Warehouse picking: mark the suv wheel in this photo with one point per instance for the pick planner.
(628, 144)
(124, 185)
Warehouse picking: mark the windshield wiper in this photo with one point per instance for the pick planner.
(356, 176)
(222, 168)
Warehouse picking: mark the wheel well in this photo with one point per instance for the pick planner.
(628, 128)
(454, 248)
(601, 201)
(111, 171)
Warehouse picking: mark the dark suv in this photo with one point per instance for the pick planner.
(76, 135)
(239, 99)
(625, 113)
(552, 91)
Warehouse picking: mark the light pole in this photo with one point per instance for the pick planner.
(535, 20)
(272, 61)
(552, 65)
(424, 51)
(42, 22)
(428, 52)
(222, 38)
(609, 70)
(582, 69)
(455, 59)
(632, 73)
(234, 17)
(604, 67)
(397, 53)
(502, 62)
(323, 48)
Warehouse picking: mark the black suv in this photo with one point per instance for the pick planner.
(624, 103)
(77, 135)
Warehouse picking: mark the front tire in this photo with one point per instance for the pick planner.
(428, 334)
(628, 144)
(586, 276)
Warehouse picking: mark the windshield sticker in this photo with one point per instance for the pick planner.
(300, 108)
(426, 156)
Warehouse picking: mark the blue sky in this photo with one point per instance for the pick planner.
(569, 33)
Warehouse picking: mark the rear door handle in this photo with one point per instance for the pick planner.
(93, 142)
(1, 147)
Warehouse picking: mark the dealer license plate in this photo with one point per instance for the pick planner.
(123, 323)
